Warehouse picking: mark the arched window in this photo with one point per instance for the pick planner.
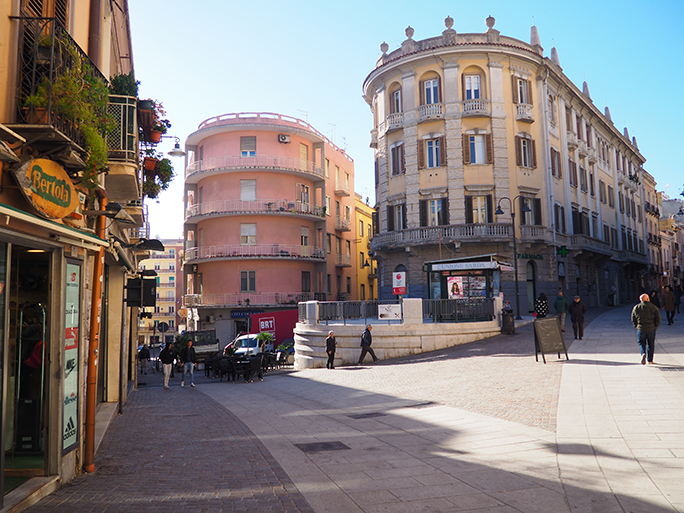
(430, 89)
(395, 99)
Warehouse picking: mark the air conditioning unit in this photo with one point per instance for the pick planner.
(284, 138)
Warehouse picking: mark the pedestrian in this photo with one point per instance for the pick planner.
(577, 310)
(561, 307)
(189, 359)
(541, 306)
(669, 304)
(167, 356)
(143, 358)
(678, 297)
(655, 299)
(366, 341)
(330, 344)
(646, 319)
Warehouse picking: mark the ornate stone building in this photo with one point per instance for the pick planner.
(473, 131)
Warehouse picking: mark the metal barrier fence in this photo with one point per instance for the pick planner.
(458, 310)
(353, 310)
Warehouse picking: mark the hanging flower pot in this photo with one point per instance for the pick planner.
(145, 104)
(155, 136)
(150, 164)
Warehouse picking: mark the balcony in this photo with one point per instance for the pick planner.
(216, 165)
(523, 112)
(395, 121)
(342, 188)
(582, 148)
(433, 235)
(262, 251)
(210, 209)
(342, 260)
(475, 108)
(237, 299)
(532, 233)
(123, 181)
(584, 243)
(430, 112)
(342, 224)
(572, 140)
(374, 138)
(630, 256)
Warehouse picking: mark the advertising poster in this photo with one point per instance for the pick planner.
(455, 287)
(71, 340)
(399, 283)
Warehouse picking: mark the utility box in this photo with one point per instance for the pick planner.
(507, 322)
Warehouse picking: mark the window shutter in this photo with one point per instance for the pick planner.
(403, 216)
(403, 159)
(442, 151)
(439, 89)
(445, 211)
(514, 87)
(562, 213)
(463, 88)
(390, 218)
(537, 212)
(466, 149)
(533, 151)
(490, 213)
(554, 171)
(248, 190)
(421, 86)
(529, 93)
(421, 154)
(469, 209)
(489, 148)
(518, 148)
(375, 218)
(576, 228)
(423, 212)
(522, 214)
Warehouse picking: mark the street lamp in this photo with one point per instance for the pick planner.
(499, 212)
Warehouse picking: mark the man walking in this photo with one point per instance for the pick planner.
(669, 303)
(330, 344)
(577, 311)
(189, 359)
(646, 319)
(167, 356)
(143, 357)
(561, 307)
(366, 341)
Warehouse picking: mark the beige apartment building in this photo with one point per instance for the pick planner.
(475, 131)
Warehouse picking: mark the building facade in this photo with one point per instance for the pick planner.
(168, 266)
(67, 241)
(472, 131)
(365, 266)
(269, 219)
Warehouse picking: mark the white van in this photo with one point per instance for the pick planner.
(249, 345)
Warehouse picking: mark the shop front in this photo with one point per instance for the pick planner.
(477, 277)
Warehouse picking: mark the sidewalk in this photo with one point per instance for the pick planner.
(479, 427)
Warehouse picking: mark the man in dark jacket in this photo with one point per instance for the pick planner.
(330, 344)
(366, 341)
(646, 319)
(143, 357)
(167, 356)
(561, 307)
(577, 310)
(189, 360)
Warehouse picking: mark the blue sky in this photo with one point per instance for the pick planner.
(309, 59)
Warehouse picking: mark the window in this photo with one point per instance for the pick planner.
(328, 206)
(559, 217)
(361, 227)
(171, 323)
(306, 281)
(363, 292)
(572, 172)
(472, 87)
(477, 149)
(430, 91)
(611, 197)
(303, 156)
(302, 192)
(602, 191)
(348, 248)
(621, 201)
(556, 163)
(248, 146)
(362, 261)
(157, 267)
(396, 217)
(398, 162)
(583, 179)
(338, 246)
(247, 281)
(329, 244)
(628, 205)
(347, 212)
(248, 190)
(434, 212)
(592, 188)
(553, 117)
(327, 168)
(432, 148)
(329, 284)
(534, 216)
(478, 209)
(633, 209)
(522, 91)
(304, 236)
(613, 237)
(606, 233)
(348, 284)
(248, 233)
(525, 152)
(395, 101)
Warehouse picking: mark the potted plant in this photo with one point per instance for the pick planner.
(35, 105)
(158, 178)
(124, 85)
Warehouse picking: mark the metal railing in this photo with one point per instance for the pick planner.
(268, 206)
(352, 310)
(435, 234)
(265, 162)
(342, 224)
(251, 298)
(255, 250)
(459, 310)
(122, 139)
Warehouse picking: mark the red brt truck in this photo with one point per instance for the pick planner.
(279, 324)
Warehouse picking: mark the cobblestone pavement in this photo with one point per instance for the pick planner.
(178, 450)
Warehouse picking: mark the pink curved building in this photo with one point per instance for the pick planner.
(269, 208)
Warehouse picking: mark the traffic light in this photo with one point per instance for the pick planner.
(145, 315)
(149, 292)
(134, 292)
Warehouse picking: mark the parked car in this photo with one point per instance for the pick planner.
(248, 345)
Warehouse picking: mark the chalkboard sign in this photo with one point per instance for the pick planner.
(548, 338)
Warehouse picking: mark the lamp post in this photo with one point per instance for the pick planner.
(515, 247)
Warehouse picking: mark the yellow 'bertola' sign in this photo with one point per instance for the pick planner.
(48, 187)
